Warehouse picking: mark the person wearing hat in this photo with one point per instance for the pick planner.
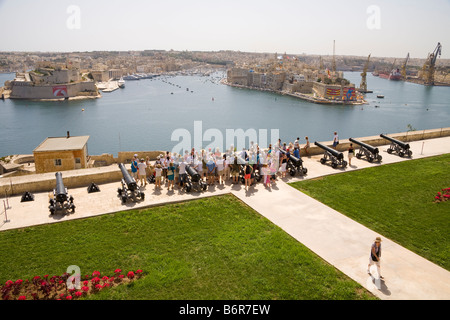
(375, 256)
(142, 166)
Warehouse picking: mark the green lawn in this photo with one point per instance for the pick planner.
(212, 248)
(395, 200)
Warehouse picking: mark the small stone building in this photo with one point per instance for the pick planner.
(61, 153)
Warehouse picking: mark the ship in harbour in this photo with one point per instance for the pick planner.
(395, 75)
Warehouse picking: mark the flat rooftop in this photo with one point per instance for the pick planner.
(62, 144)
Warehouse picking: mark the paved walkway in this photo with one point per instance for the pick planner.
(337, 239)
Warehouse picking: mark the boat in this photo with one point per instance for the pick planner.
(375, 74)
(393, 75)
(121, 83)
(380, 96)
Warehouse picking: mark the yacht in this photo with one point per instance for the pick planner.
(121, 83)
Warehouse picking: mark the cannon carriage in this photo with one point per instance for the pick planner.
(193, 180)
(369, 152)
(61, 201)
(336, 157)
(401, 148)
(294, 164)
(130, 189)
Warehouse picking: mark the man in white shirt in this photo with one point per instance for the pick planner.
(142, 173)
(335, 140)
(297, 143)
(182, 172)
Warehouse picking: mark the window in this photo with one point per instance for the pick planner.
(77, 160)
(58, 162)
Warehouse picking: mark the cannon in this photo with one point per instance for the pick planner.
(371, 153)
(336, 157)
(397, 146)
(294, 164)
(61, 200)
(193, 180)
(255, 176)
(130, 189)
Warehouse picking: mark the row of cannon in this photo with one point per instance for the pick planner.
(371, 153)
(129, 189)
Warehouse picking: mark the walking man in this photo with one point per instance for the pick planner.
(375, 256)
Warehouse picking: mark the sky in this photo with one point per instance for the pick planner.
(359, 27)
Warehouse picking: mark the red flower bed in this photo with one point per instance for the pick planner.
(55, 288)
(442, 196)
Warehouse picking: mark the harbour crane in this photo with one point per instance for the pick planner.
(403, 69)
(429, 66)
(363, 85)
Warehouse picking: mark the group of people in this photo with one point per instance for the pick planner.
(216, 167)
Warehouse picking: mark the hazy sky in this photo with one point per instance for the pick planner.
(382, 28)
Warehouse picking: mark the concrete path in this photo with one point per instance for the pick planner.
(345, 243)
(335, 238)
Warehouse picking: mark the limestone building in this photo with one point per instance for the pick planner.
(61, 153)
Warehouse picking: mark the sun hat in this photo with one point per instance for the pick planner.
(377, 239)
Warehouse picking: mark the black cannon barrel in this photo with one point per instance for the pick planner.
(372, 149)
(60, 191)
(296, 161)
(284, 152)
(129, 180)
(195, 176)
(335, 153)
(400, 143)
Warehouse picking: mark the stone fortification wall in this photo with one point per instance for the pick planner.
(26, 90)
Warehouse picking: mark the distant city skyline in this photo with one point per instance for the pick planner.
(381, 28)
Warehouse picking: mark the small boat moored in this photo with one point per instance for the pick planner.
(121, 83)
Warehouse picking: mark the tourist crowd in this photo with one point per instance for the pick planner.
(215, 166)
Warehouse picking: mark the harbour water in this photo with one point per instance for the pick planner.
(144, 114)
